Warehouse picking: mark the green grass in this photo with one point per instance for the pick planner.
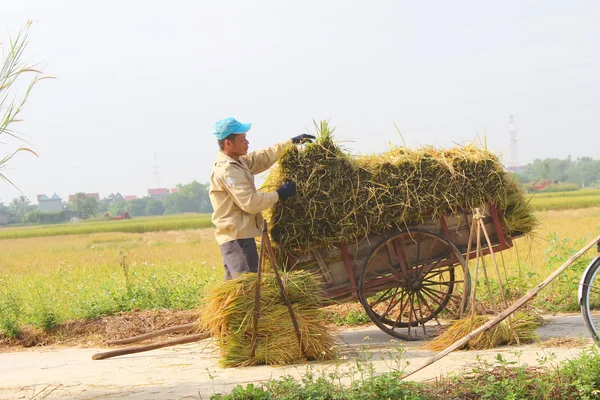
(134, 225)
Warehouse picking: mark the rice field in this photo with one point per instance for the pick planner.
(566, 200)
(560, 234)
(47, 280)
(135, 225)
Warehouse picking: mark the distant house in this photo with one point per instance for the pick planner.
(174, 190)
(158, 194)
(113, 198)
(50, 204)
(94, 195)
(130, 197)
(4, 218)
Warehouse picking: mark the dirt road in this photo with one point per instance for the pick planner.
(191, 371)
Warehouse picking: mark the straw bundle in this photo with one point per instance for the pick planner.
(341, 198)
(523, 331)
(228, 317)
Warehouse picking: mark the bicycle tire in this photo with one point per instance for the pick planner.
(590, 299)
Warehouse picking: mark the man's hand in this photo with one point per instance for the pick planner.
(304, 138)
(286, 190)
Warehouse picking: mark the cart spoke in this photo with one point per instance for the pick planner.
(421, 313)
(399, 317)
(381, 280)
(433, 296)
(432, 289)
(433, 283)
(408, 279)
(383, 298)
(439, 271)
(410, 312)
(391, 306)
(428, 307)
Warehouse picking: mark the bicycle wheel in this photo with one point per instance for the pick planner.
(589, 299)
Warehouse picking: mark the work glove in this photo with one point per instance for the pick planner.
(286, 190)
(304, 138)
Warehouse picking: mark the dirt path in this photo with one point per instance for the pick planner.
(192, 372)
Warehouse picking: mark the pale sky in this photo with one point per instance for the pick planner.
(142, 77)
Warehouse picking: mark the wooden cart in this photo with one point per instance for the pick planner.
(406, 277)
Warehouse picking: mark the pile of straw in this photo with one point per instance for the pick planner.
(342, 198)
(523, 331)
(228, 317)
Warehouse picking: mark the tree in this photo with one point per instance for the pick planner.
(18, 206)
(154, 207)
(86, 206)
(192, 197)
(583, 172)
(14, 67)
(137, 207)
(3, 208)
(117, 208)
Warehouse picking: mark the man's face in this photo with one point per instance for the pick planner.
(238, 145)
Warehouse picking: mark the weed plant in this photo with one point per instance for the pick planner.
(577, 378)
(354, 378)
(351, 318)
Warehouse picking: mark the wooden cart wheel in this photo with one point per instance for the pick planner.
(410, 278)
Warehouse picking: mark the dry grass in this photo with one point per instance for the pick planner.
(96, 332)
(229, 311)
(519, 329)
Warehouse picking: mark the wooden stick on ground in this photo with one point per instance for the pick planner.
(139, 349)
(150, 335)
(518, 304)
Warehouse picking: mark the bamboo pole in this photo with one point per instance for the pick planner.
(261, 261)
(477, 257)
(139, 349)
(150, 335)
(463, 302)
(286, 299)
(500, 284)
(518, 304)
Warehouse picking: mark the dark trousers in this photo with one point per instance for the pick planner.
(239, 256)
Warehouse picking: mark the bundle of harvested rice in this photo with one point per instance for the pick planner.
(228, 317)
(342, 198)
(523, 331)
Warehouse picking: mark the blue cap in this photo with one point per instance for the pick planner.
(228, 126)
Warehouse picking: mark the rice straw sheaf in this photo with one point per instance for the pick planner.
(523, 331)
(229, 311)
(342, 198)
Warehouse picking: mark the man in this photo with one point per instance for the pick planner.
(236, 203)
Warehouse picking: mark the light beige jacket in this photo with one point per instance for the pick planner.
(236, 203)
